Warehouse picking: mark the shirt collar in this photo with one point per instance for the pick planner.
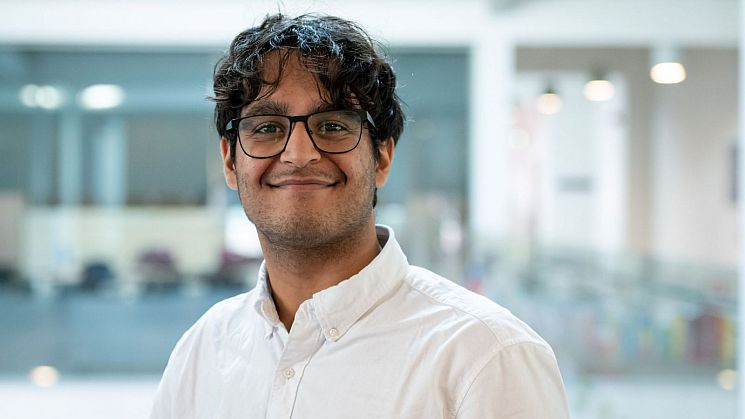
(263, 303)
(340, 306)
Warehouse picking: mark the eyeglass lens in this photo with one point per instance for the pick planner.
(332, 131)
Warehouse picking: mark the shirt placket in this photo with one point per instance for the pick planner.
(304, 340)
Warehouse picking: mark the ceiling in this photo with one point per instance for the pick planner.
(194, 24)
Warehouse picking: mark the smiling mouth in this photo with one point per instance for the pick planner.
(302, 184)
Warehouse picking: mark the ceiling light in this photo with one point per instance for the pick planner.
(46, 97)
(727, 379)
(101, 96)
(44, 376)
(666, 65)
(27, 95)
(549, 103)
(599, 90)
(668, 73)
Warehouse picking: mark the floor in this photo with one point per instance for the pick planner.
(596, 398)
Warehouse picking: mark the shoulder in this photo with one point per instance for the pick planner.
(499, 365)
(191, 367)
(471, 315)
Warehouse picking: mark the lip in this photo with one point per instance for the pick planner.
(302, 184)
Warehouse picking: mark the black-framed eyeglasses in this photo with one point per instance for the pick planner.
(334, 132)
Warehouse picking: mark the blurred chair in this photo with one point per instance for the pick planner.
(97, 276)
(157, 268)
(7, 275)
(11, 280)
(235, 271)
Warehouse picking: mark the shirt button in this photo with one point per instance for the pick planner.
(289, 373)
(333, 332)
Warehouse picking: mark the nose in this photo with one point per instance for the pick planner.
(300, 150)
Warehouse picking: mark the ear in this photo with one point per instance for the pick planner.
(228, 164)
(383, 168)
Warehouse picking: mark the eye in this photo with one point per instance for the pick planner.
(331, 126)
(262, 127)
(268, 128)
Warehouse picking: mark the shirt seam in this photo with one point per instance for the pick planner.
(499, 344)
(498, 339)
(493, 354)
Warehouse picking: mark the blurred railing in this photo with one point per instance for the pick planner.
(627, 314)
(603, 315)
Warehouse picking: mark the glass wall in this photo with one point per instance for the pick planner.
(121, 229)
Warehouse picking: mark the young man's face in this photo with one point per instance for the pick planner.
(304, 197)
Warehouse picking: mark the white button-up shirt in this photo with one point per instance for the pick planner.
(393, 341)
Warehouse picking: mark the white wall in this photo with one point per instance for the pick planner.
(677, 164)
(59, 241)
(694, 131)
(569, 179)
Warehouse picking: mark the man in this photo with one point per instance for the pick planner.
(339, 324)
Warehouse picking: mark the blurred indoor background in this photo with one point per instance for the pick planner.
(573, 160)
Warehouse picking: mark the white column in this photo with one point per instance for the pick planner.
(492, 72)
(110, 163)
(70, 158)
(41, 161)
(741, 212)
(610, 200)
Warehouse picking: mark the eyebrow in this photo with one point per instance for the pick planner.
(269, 106)
(265, 107)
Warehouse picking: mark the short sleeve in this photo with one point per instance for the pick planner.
(520, 381)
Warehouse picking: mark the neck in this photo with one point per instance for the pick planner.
(295, 274)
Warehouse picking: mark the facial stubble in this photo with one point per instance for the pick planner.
(313, 229)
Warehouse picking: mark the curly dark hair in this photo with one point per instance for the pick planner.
(352, 67)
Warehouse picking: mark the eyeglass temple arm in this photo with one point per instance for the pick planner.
(370, 119)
